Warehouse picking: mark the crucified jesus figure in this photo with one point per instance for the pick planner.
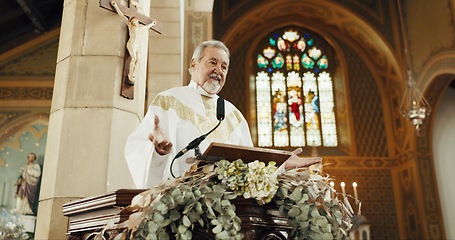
(134, 28)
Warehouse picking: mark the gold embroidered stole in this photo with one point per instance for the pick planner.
(186, 113)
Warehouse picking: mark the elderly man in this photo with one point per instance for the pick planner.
(179, 115)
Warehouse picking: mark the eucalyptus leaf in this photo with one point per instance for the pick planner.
(158, 217)
(188, 235)
(217, 229)
(303, 216)
(179, 199)
(327, 236)
(151, 236)
(296, 195)
(210, 212)
(218, 189)
(294, 212)
(231, 196)
(197, 193)
(201, 222)
(152, 226)
(161, 207)
(222, 235)
(165, 223)
(217, 205)
(304, 224)
(315, 229)
(198, 208)
(176, 193)
(194, 216)
(315, 212)
(215, 222)
(186, 221)
(182, 229)
(225, 203)
(175, 215)
(188, 208)
(322, 222)
(231, 213)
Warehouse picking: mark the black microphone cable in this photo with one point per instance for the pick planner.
(195, 143)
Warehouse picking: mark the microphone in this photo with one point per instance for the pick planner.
(220, 114)
(220, 109)
(191, 145)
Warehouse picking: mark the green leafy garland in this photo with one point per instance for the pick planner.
(203, 197)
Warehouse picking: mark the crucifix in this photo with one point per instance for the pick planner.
(133, 20)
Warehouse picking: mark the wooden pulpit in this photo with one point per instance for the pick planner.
(264, 222)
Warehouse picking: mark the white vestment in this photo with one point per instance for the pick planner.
(184, 113)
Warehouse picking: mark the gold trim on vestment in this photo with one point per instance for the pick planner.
(186, 113)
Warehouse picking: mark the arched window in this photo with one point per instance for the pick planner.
(294, 90)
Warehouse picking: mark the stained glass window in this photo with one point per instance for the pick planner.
(294, 90)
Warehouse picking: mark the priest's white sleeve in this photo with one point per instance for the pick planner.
(139, 152)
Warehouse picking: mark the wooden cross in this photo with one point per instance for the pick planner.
(131, 11)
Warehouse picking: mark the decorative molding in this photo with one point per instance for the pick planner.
(26, 93)
(331, 163)
(39, 62)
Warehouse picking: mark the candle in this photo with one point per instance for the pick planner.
(3, 193)
(332, 184)
(343, 190)
(354, 185)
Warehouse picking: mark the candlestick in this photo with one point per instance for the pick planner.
(354, 185)
(343, 190)
(3, 193)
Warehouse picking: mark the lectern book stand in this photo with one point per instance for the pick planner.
(258, 222)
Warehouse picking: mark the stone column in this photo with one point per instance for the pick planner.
(89, 120)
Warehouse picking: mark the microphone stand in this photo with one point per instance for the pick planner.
(193, 145)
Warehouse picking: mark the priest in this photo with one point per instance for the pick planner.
(179, 115)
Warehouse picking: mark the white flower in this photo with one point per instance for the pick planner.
(262, 182)
(10, 225)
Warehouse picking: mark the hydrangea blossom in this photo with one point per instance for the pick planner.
(262, 181)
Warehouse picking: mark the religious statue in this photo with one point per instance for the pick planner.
(294, 103)
(134, 27)
(27, 186)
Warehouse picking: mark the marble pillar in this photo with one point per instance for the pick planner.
(89, 120)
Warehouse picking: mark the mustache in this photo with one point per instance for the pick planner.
(215, 76)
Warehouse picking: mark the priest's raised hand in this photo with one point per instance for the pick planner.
(294, 161)
(162, 144)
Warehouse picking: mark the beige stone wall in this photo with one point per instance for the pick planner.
(165, 50)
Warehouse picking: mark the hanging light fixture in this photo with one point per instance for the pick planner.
(414, 106)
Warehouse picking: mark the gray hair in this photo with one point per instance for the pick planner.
(199, 51)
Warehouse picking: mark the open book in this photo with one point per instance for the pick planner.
(219, 151)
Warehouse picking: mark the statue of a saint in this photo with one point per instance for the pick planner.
(27, 186)
(132, 45)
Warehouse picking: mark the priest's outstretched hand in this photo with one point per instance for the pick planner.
(162, 144)
(294, 161)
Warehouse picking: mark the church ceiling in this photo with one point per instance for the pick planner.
(24, 20)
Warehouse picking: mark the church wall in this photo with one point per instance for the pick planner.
(26, 87)
(366, 106)
(164, 67)
(443, 139)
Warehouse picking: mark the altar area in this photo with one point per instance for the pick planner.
(238, 198)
